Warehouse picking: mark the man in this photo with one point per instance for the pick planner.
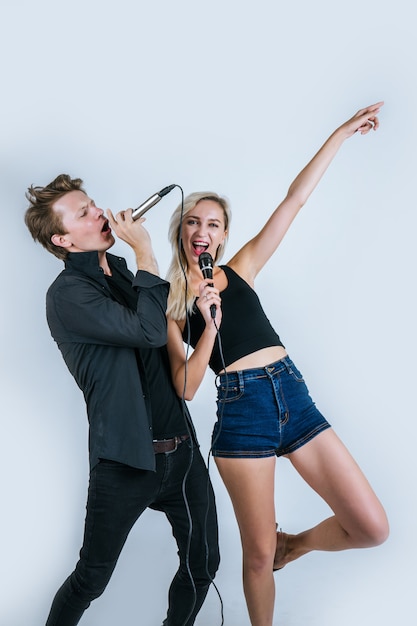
(110, 327)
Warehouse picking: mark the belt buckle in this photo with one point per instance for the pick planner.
(175, 441)
(167, 443)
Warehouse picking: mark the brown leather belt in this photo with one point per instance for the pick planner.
(168, 445)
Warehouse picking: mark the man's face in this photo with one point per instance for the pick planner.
(86, 227)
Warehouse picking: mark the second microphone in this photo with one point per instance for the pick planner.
(205, 262)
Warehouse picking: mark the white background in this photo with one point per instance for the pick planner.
(232, 96)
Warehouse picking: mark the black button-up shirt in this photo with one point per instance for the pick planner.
(98, 338)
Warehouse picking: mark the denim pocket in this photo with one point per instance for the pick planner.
(294, 372)
(229, 393)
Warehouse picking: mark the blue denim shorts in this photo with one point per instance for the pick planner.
(263, 412)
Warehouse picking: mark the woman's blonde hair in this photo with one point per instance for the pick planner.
(178, 300)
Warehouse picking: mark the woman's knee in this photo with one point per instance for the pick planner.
(257, 558)
(373, 532)
(379, 531)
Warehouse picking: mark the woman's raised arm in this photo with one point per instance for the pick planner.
(253, 255)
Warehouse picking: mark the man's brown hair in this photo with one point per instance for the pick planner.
(40, 218)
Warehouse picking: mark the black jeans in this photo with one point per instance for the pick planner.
(117, 496)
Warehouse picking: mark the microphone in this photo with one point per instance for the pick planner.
(150, 202)
(205, 261)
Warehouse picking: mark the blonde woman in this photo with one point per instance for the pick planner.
(264, 407)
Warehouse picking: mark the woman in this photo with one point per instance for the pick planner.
(264, 409)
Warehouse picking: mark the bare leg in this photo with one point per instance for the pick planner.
(359, 519)
(250, 483)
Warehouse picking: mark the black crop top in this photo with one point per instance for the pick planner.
(244, 328)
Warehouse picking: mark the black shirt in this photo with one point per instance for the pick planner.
(98, 337)
(245, 328)
(167, 415)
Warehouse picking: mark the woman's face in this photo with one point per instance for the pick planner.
(203, 230)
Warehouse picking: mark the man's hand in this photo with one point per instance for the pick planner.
(136, 236)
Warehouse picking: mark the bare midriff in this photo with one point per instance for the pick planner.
(260, 358)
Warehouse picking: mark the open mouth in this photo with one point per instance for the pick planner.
(106, 228)
(199, 247)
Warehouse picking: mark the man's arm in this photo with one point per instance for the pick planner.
(80, 309)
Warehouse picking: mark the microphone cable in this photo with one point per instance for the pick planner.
(221, 402)
(185, 414)
(137, 214)
(186, 474)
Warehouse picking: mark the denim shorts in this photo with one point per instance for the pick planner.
(264, 412)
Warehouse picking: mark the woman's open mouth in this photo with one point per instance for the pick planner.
(199, 247)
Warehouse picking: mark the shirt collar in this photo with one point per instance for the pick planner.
(87, 262)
